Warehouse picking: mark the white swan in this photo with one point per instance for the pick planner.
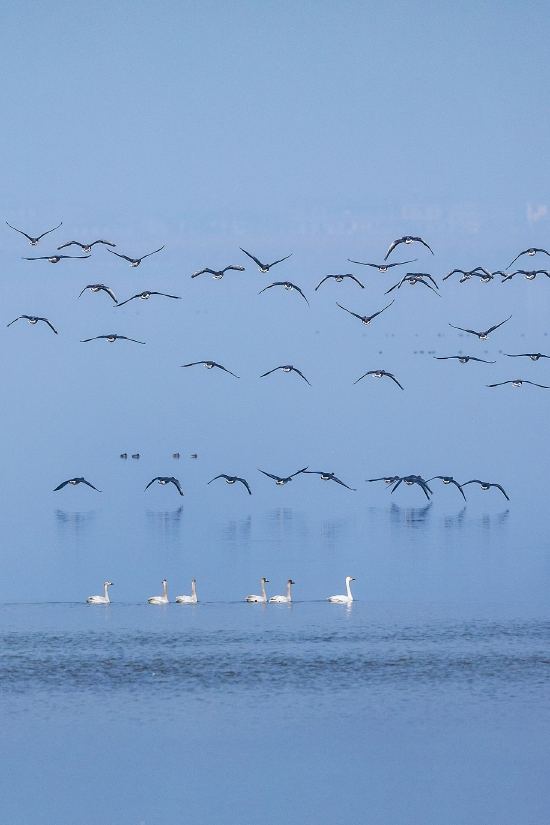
(160, 599)
(263, 597)
(344, 599)
(101, 599)
(192, 599)
(284, 599)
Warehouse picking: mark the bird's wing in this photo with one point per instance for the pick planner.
(200, 272)
(65, 482)
(193, 363)
(222, 475)
(392, 247)
(277, 478)
(119, 255)
(251, 256)
(496, 326)
(165, 295)
(323, 281)
(297, 288)
(423, 487)
(500, 384)
(446, 358)
(83, 480)
(422, 281)
(41, 257)
(393, 287)
(176, 483)
(281, 259)
(270, 371)
(362, 263)
(394, 488)
(152, 253)
(501, 490)
(70, 243)
(401, 263)
(109, 292)
(235, 267)
(453, 272)
(348, 310)
(544, 386)
(420, 240)
(472, 331)
(219, 366)
(278, 283)
(301, 375)
(127, 339)
(472, 481)
(127, 300)
(381, 310)
(393, 378)
(20, 231)
(49, 230)
(16, 319)
(303, 470)
(370, 372)
(337, 480)
(483, 360)
(243, 481)
(515, 259)
(357, 281)
(108, 243)
(427, 275)
(459, 487)
(152, 481)
(85, 340)
(49, 324)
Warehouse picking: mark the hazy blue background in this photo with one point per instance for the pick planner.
(324, 130)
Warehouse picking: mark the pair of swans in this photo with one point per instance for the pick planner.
(275, 599)
(192, 599)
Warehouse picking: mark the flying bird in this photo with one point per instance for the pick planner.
(33, 319)
(449, 480)
(85, 247)
(287, 285)
(75, 481)
(462, 358)
(111, 338)
(166, 480)
(232, 480)
(34, 241)
(482, 335)
(286, 368)
(98, 288)
(279, 480)
(135, 261)
(217, 273)
(518, 383)
(264, 267)
(534, 356)
(530, 275)
(532, 251)
(386, 479)
(328, 477)
(339, 279)
(383, 267)
(415, 278)
(209, 365)
(144, 296)
(413, 479)
(365, 319)
(485, 485)
(467, 274)
(54, 259)
(408, 239)
(379, 374)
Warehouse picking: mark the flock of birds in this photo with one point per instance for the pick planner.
(411, 278)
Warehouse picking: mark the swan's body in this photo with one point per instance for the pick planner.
(344, 599)
(192, 599)
(160, 599)
(101, 599)
(263, 597)
(284, 599)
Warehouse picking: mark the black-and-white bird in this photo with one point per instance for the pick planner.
(232, 480)
(209, 365)
(467, 274)
(339, 279)
(136, 261)
(166, 480)
(99, 288)
(111, 338)
(379, 374)
(482, 335)
(406, 239)
(531, 251)
(33, 319)
(463, 359)
(534, 356)
(280, 480)
(485, 485)
(286, 368)
(85, 247)
(33, 241)
(328, 477)
(383, 267)
(518, 382)
(144, 296)
(530, 275)
(264, 267)
(75, 481)
(413, 479)
(287, 285)
(365, 319)
(415, 278)
(449, 480)
(54, 259)
(217, 273)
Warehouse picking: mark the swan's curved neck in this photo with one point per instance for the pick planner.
(349, 590)
(263, 591)
(105, 586)
(193, 588)
(288, 591)
(164, 589)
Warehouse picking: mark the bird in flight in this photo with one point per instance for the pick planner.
(146, 295)
(518, 383)
(135, 261)
(531, 251)
(365, 319)
(75, 481)
(328, 477)
(530, 275)
(467, 274)
(386, 479)
(415, 278)
(339, 279)
(34, 241)
(449, 480)
(485, 485)
(264, 267)
(98, 288)
(534, 356)
(379, 374)
(232, 480)
(286, 368)
(383, 267)
(287, 285)
(422, 483)
(33, 319)
(111, 338)
(85, 247)
(482, 335)
(54, 259)
(279, 480)
(217, 273)
(407, 239)
(462, 358)
(209, 365)
(166, 480)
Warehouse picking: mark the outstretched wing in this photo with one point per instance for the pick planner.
(251, 256)
(151, 253)
(278, 283)
(501, 490)
(64, 483)
(20, 231)
(119, 255)
(381, 310)
(270, 371)
(200, 272)
(496, 326)
(16, 319)
(108, 243)
(51, 326)
(349, 310)
(221, 475)
(48, 232)
(219, 366)
(157, 478)
(176, 483)
(472, 331)
(297, 288)
(370, 372)
(270, 475)
(70, 243)
(233, 266)
(125, 337)
(193, 363)
(323, 281)
(83, 481)
(392, 247)
(420, 240)
(128, 300)
(280, 260)
(301, 375)
(393, 378)
(337, 480)
(303, 470)
(243, 481)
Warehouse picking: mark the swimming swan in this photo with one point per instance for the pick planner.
(192, 599)
(344, 599)
(160, 599)
(284, 599)
(101, 599)
(263, 597)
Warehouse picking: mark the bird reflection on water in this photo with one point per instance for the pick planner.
(73, 523)
(409, 516)
(165, 522)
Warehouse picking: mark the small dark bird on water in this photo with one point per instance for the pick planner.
(286, 368)
(124, 455)
(485, 485)
(111, 338)
(339, 279)
(217, 273)
(328, 477)
(462, 358)
(407, 239)
(449, 480)
(34, 241)
(33, 319)
(135, 261)
(287, 285)
(365, 319)
(75, 481)
(98, 288)
(209, 365)
(482, 335)
(264, 267)
(232, 480)
(379, 374)
(383, 267)
(166, 480)
(135, 455)
(518, 382)
(85, 247)
(531, 251)
(54, 259)
(280, 480)
(144, 296)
